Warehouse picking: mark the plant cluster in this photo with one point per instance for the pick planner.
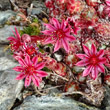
(73, 49)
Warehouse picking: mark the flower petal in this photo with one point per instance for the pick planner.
(48, 40)
(63, 25)
(93, 49)
(86, 50)
(41, 73)
(40, 66)
(18, 68)
(47, 32)
(94, 72)
(100, 53)
(17, 33)
(102, 60)
(50, 27)
(101, 68)
(11, 39)
(13, 33)
(28, 60)
(82, 56)
(87, 70)
(82, 63)
(27, 80)
(70, 38)
(20, 76)
(56, 23)
(57, 45)
(34, 60)
(65, 44)
(107, 2)
(67, 31)
(35, 80)
(22, 62)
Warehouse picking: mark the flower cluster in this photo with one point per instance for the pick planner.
(75, 27)
(26, 53)
(60, 8)
(70, 47)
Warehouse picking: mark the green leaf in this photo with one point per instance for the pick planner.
(46, 69)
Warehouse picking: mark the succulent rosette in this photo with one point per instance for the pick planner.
(30, 70)
(92, 60)
(59, 34)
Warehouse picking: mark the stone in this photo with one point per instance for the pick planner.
(5, 5)
(107, 108)
(22, 3)
(6, 59)
(39, 8)
(6, 32)
(106, 101)
(52, 103)
(38, 4)
(9, 89)
(6, 15)
(4, 52)
(6, 63)
(59, 55)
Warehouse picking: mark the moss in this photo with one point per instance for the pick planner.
(46, 69)
(32, 29)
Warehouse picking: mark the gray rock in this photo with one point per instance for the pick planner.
(5, 5)
(106, 101)
(3, 52)
(6, 60)
(5, 16)
(9, 89)
(21, 3)
(78, 69)
(39, 7)
(6, 63)
(1, 72)
(5, 32)
(52, 103)
(107, 108)
(58, 57)
(38, 4)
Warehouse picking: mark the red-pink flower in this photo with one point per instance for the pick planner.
(107, 9)
(29, 49)
(107, 55)
(93, 61)
(15, 41)
(58, 34)
(72, 25)
(107, 2)
(30, 70)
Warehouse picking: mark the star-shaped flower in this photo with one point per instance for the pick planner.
(15, 41)
(93, 61)
(59, 34)
(30, 70)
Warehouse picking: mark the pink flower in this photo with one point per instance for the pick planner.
(59, 34)
(107, 55)
(107, 9)
(30, 70)
(107, 2)
(15, 41)
(72, 25)
(17, 55)
(93, 60)
(26, 38)
(29, 49)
